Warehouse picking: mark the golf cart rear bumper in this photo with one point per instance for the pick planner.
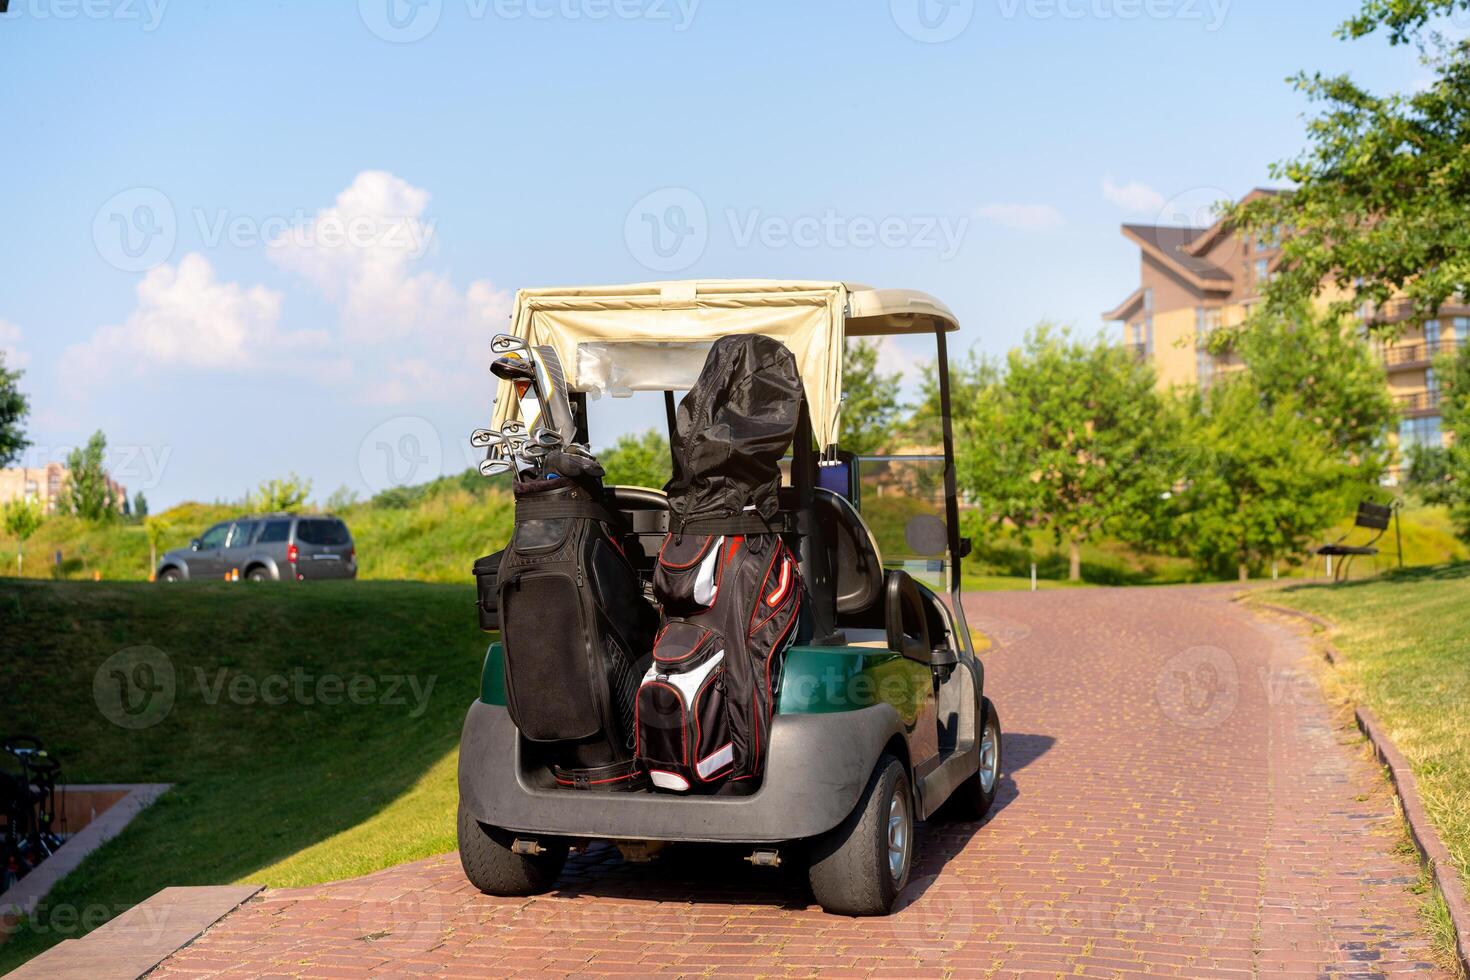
(819, 765)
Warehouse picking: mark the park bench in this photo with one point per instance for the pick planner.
(1371, 516)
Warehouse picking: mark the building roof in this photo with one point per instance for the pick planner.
(1171, 243)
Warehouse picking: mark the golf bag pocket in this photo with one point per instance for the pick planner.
(551, 692)
(683, 723)
(690, 567)
(487, 590)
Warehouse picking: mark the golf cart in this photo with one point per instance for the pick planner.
(876, 716)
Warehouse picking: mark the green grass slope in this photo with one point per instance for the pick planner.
(311, 734)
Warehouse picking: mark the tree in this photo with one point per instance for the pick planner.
(22, 518)
(280, 495)
(344, 497)
(968, 377)
(13, 409)
(638, 461)
(1381, 206)
(870, 406)
(1455, 411)
(1329, 374)
(140, 505)
(1427, 474)
(1261, 478)
(1066, 439)
(88, 490)
(155, 528)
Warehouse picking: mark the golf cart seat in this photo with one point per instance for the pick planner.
(852, 550)
(854, 553)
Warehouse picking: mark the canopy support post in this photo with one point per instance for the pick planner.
(951, 492)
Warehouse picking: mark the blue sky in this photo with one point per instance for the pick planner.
(245, 239)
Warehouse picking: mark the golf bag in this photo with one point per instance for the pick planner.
(730, 585)
(576, 630)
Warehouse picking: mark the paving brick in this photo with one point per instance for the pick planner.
(1177, 800)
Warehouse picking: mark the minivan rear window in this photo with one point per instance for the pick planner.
(275, 531)
(318, 531)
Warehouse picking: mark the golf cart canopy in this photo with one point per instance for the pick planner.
(654, 336)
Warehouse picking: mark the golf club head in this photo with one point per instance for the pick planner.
(514, 368)
(504, 343)
(512, 429)
(545, 437)
(495, 467)
(484, 438)
(535, 451)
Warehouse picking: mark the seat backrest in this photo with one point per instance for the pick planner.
(1374, 516)
(857, 565)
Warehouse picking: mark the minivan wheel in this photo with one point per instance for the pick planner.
(973, 798)
(495, 869)
(258, 574)
(170, 575)
(861, 866)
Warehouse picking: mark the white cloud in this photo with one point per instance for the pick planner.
(1135, 196)
(1022, 217)
(10, 336)
(187, 318)
(363, 254)
(404, 334)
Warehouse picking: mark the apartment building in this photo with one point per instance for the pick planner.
(1193, 281)
(46, 484)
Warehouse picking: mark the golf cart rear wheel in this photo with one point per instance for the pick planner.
(973, 798)
(861, 866)
(495, 869)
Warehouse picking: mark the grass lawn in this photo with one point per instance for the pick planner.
(312, 732)
(1406, 645)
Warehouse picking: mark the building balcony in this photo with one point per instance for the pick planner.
(1415, 404)
(1418, 353)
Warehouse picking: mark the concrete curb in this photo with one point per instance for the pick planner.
(134, 943)
(1427, 842)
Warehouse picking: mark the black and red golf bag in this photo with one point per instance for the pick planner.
(730, 586)
(576, 630)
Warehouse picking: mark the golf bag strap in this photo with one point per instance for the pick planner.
(748, 523)
(540, 510)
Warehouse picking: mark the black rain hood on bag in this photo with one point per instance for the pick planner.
(732, 429)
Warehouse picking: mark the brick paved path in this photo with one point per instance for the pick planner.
(1177, 801)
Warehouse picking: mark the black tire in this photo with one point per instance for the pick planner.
(851, 869)
(258, 574)
(973, 798)
(495, 869)
(170, 574)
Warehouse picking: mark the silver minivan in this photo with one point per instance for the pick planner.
(270, 547)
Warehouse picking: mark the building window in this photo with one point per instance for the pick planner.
(1263, 271)
(1462, 330)
(1419, 432)
(1431, 383)
(1431, 333)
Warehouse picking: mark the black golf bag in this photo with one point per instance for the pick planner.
(730, 585)
(576, 631)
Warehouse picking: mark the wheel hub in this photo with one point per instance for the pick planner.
(989, 758)
(898, 834)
